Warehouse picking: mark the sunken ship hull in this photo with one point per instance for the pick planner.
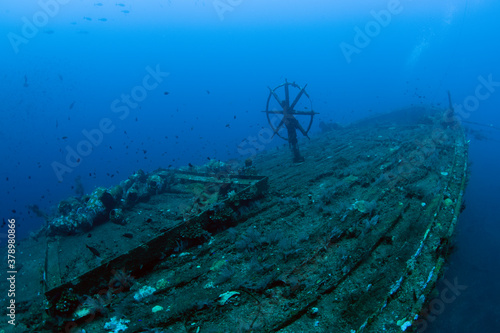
(351, 240)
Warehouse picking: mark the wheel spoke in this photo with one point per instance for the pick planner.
(275, 96)
(287, 95)
(278, 127)
(304, 112)
(298, 97)
(302, 130)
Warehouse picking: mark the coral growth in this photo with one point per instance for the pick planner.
(121, 281)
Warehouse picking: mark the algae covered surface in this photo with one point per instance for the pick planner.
(351, 240)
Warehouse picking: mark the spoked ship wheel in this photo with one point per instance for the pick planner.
(287, 110)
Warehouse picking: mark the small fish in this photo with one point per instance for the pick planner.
(120, 4)
(25, 81)
(102, 19)
(208, 92)
(87, 18)
(64, 137)
(126, 11)
(128, 235)
(72, 104)
(166, 93)
(60, 77)
(93, 250)
(98, 4)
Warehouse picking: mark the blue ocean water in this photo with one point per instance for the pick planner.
(94, 90)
